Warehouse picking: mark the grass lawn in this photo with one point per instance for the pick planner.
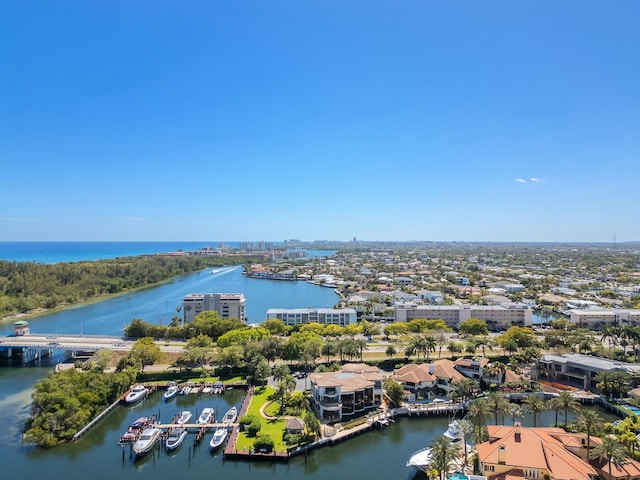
(274, 428)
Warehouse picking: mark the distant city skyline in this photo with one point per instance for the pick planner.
(391, 121)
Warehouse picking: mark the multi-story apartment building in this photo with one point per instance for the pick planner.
(228, 305)
(325, 316)
(600, 318)
(498, 317)
(355, 389)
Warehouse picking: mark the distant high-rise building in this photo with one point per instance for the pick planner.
(228, 305)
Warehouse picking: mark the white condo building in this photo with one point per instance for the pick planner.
(498, 317)
(600, 318)
(228, 305)
(325, 316)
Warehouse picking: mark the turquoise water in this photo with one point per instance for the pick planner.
(457, 476)
(54, 252)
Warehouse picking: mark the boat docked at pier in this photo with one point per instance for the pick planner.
(230, 417)
(184, 417)
(421, 459)
(175, 438)
(171, 392)
(134, 430)
(207, 415)
(136, 394)
(146, 440)
(220, 434)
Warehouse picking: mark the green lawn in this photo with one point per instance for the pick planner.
(275, 428)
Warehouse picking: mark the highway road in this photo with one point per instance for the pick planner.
(86, 343)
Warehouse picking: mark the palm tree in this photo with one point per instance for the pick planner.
(443, 454)
(495, 370)
(566, 402)
(610, 335)
(499, 405)
(480, 410)
(587, 421)
(535, 404)
(390, 351)
(330, 349)
(429, 344)
(299, 401)
(554, 404)
(280, 372)
(612, 451)
(466, 427)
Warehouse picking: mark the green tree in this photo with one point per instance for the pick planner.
(146, 352)
(394, 391)
(588, 421)
(611, 451)
(443, 455)
(498, 404)
(535, 404)
(474, 326)
(479, 409)
(566, 402)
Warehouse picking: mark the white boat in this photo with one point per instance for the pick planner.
(136, 394)
(171, 391)
(147, 440)
(219, 436)
(175, 438)
(185, 390)
(206, 416)
(230, 417)
(184, 417)
(207, 389)
(421, 459)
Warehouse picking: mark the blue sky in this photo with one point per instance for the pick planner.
(270, 120)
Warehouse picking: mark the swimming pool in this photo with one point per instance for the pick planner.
(457, 476)
(635, 410)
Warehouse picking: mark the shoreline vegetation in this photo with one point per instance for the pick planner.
(29, 289)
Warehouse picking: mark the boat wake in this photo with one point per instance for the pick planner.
(217, 272)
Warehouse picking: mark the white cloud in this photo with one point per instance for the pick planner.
(534, 179)
(521, 180)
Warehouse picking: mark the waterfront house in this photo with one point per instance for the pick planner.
(427, 380)
(472, 367)
(580, 370)
(522, 453)
(355, 389)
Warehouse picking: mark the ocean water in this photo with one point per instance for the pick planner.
(55, 252)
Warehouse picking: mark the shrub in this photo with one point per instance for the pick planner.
(263, 443)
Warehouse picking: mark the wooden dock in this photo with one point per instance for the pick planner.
(165, 426)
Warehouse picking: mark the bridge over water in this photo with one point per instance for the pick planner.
(31, 347)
